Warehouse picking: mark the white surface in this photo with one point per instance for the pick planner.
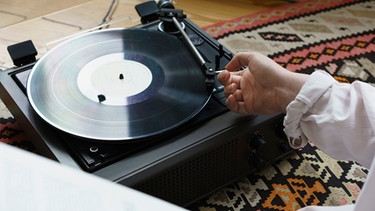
(31, 182)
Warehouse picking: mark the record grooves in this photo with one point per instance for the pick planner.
(118, 85)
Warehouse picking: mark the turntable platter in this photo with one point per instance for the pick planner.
(117, 85)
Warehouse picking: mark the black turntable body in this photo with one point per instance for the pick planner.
(204, 152)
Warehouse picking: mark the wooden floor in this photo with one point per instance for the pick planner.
(203, 12)
(45, 22)
(207, 12)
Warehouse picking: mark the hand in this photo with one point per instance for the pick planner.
(264, 87)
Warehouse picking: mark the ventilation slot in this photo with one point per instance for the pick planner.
(197, 177)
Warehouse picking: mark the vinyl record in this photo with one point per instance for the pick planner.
(118, 85)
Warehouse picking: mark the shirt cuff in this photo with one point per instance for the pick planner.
(316, 85)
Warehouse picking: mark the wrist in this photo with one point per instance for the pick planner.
(290, 85)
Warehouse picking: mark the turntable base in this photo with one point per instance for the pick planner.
(182, 166)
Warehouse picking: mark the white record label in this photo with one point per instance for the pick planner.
(113, 78)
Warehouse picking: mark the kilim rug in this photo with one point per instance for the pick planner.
(11, 133)
(335, 36)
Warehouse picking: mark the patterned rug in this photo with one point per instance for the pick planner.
(10, 132)
(336, 36)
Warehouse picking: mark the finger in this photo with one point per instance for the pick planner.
(227, 78)
(232, 103)
(238, 95)
(230, 89)
(235, 77)
(236, 106)
(238, 61)
(224, 78)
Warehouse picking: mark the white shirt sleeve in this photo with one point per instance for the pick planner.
(340, 120)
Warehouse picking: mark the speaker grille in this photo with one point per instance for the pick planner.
(196, 177)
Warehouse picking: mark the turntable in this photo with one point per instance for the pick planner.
(141, 107)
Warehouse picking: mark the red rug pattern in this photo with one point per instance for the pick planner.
(10, 133)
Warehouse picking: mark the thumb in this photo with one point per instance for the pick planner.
(240, 60)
